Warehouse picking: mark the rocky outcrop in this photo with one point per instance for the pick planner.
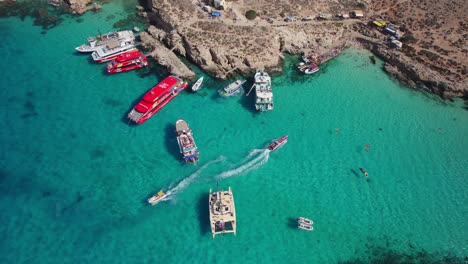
(232, 44)
(152, 40)
(414, 74)
(81, 6)
(222, 49)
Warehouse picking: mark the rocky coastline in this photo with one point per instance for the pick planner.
(235, 45)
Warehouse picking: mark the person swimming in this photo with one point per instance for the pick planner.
(367, 147)
(364, 172)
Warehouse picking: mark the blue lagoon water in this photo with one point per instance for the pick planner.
(74, 176)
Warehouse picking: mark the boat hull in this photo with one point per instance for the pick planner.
(157, 198)
(100, 41)
(187, 146)
(197, 85)
(232, 89)
(163, 94)
(99, 59)
(112, 70)
(278, 143)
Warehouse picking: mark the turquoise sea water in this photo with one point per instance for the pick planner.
(74, 177)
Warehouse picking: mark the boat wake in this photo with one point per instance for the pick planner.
(254, 160)
(186, 182)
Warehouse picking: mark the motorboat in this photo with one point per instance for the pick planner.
(157, 197)
(305, 221)
(197, 85)
(232, 89)
(278, 143)
(305, 227)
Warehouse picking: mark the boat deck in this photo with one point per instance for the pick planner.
(222, 212)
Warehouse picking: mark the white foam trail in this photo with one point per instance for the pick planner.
(185, 182)
(251, 154)
(259, 160)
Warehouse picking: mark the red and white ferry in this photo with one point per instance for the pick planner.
(111, 50)
(156, 98)
(127, 61)
(278, 143)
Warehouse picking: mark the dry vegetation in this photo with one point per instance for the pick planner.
(436, 32)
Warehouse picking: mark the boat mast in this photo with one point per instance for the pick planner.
(220, 206)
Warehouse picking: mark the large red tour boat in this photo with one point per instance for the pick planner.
(156, 98)
(127, 61)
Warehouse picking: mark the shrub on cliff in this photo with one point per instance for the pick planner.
(251, 14)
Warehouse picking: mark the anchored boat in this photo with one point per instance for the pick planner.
(156, 98)
(157, 197)
(308, 68)
(127, 61)
(222, 212)
(100, 41)
(305, 223)
(277, 143)
(197, 85)
(187, 145)
(112, 49)
(263, 92)
(232, 88)
(305, 227)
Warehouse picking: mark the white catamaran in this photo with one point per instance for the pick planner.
(222, 212)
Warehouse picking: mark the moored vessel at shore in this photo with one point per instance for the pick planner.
(127, 61)
(232, 89)
(277, 143)
(111, 50)
(157, 197)
(156, 98)
(308, 68)
(197, 85)
(222, 212)
(187, 145)
(263, 92)
(101, 40)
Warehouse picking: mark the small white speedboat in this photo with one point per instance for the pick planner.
(197, 85)
(305, 221)
(305, 227)
(157, 197)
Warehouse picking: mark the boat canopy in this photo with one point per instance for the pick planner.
(135, 54)
(143, 106)
(113, 44)
(264, 95)
(160, 89)
(190, 149)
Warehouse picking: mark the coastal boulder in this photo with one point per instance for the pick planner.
(165, 57)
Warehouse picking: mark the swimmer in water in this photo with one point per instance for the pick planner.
(367, 146)
(364, 172)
